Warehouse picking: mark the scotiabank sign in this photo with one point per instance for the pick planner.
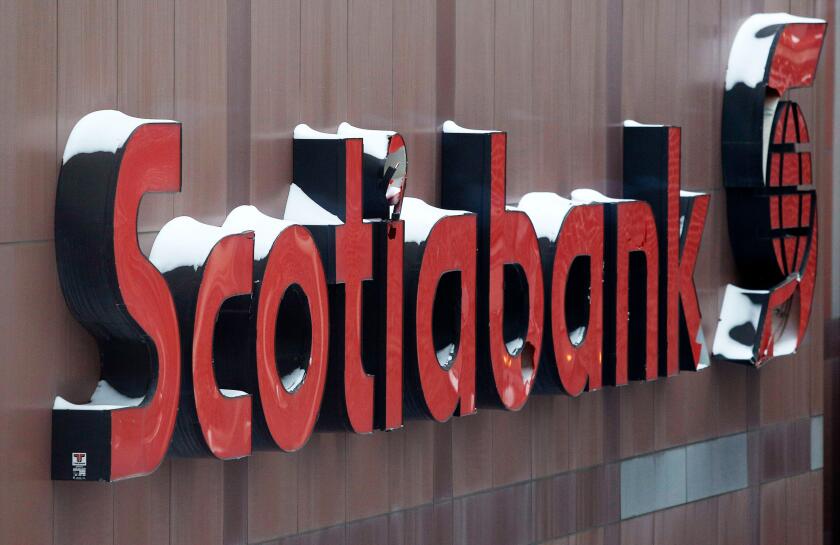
(360, 308)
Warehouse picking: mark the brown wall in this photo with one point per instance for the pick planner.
(559, 76)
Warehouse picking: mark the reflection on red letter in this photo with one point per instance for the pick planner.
(771, 203)
(354, 259)
(449, 247)
(513, 241)
(581, 234)
(140, 436)
(393, 389)
(693, 350)
(225, 422)
(293, 260)
(636, 232)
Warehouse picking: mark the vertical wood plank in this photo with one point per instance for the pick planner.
(197, 504)
(367, 475)
(200, 104)
(272, 495)
(588, 91)
(552, 104)
(235, 502)
(513, 61)
(370, 88)
(411, 465)
(87, 81)
(474, 74)
(146, 81)
(142, 508)
(414, 91)
(238, 102)
(87, 61)
(275, 99)
(28, 112)
(322, 481)
(323, 63)
(37, 342)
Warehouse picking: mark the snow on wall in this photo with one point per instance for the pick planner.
(103, 130)
(375, 142)
(632, 123)
(546, 211)
(266, 228)
(420, 217)
(305, 132)
(186, 242)
(183, 242)
(589, 196)
(450, 126)
(301, 209)
(104, 398)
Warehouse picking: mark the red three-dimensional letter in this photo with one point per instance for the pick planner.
(293, 259)
(582, 233)
(450, 246)
(117, 294)
(636, 232)
(512, 241)
(140, 436)
(225, 422)
(771, 203)
(354, 264)
(697, 206)
(393, 388)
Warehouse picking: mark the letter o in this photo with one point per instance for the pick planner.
(293, 260)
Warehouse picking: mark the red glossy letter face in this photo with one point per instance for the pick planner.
(118, 295)
(579, 361)
(449, 247)
(140, 437)
(772, 217)
(293, 261)
(693, 350)
(509, 276)
(636, 236)
(652, 174)
(513, 242)
(354, 264)
(225, 421)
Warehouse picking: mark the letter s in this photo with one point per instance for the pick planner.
(110, 162)
(771, 203)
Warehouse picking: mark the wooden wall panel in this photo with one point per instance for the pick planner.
(200, 104)
(474, 75)
(87, 81)
(415, 85)
(552, 104)
(272, 496)
(31, 288)
(240, 74)
(412, 465)
(589, 46)
(275, 99)
(142, 508)
(197, 502)
(370, 53)
(146, 88)
(28, 109)
(513, 70)
(323, 63)
(322, 481)
(146, 81)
